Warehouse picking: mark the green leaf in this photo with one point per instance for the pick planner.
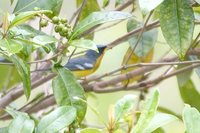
(66, 89)
(165, 110)
(147, 40)
(44, 39)
(24, 16)
(177, 24)
(124, 106)
(4, 130)
(188, 92)
(90, 130)
(158, 121)
(15, 113)
(149, 5)
(159, 130)
(24, 71)
(29, 5)
(191, 118)
(187, 89)
(82, 43)
(147, 113)
(10, 46)
(58, 119)
(97, 18)
(21, 124)
(89, 7)
(105, 3)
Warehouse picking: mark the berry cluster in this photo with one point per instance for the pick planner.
(62, 26)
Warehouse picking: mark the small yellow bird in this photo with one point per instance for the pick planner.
(88, 63)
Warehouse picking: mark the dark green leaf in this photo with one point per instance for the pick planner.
(177, 24)
(147, 113)
(189, 93)
(124, 106)
(66, 89)
(149, 5)
(24, 16)
(21, 124)
(29, 5)
(191, 118)
(24, 71)
(58, 119)
(82, 43)
(188, 90)
(10, 46)
(158, 121)
(97, 18)
(147, 40)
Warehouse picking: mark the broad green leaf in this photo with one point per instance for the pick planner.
(187, 89)
(29, 5)
(177, 24)
(10, 46)
(158, 121)
(89, 7)
(90, 130)
(21, 124)
(24, 16)
(149, 5)
(24, 71)
(4, 130)
(86, 44)
(191, 118)
(124, 106)
(26, 30)
(97, 18)
(35, 44)
(147, 113)
(58, 119)
(44, 39)
(147, 40)
(66, 88)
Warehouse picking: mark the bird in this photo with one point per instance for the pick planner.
(81, 66)
(88, 63)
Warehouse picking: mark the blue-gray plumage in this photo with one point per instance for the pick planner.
(86, 61)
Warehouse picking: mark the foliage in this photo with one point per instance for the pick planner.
(33, 56)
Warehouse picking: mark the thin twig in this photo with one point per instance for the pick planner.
(79, 12)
